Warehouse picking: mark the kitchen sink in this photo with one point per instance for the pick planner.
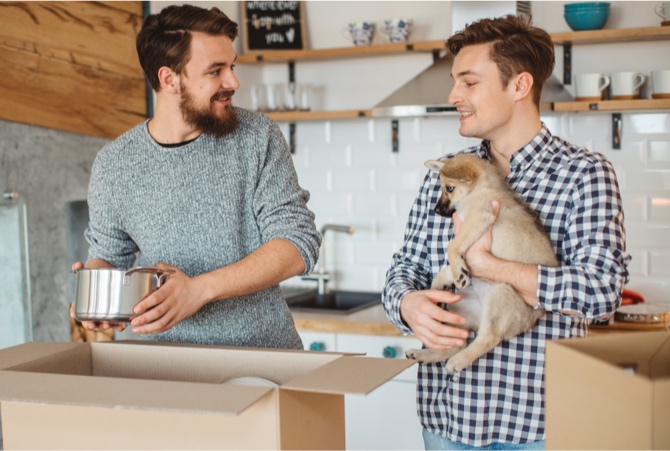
(308, 300)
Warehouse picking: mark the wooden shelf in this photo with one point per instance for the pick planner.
(569, 38)
(614, 105)
(279, 56)
(610, 36)
(573, 37)
(294, 116)
(603, 105)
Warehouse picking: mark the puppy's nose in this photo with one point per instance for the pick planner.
(444, 210)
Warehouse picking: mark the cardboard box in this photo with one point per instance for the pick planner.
(609, 392)
(139, 395)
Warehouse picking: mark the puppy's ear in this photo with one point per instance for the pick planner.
(434, 165)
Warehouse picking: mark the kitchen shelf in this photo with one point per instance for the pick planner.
(284, 56)
(294, 116)
(614, 105)
(567, 39)
(612, 36)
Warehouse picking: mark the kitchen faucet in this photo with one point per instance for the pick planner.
(322, 276)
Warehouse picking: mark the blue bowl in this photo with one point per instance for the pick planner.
(587, 20)
(586, 6)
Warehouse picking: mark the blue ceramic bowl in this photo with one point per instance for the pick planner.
(587, 19)
(586, 6)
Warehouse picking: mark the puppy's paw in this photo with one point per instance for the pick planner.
(443, 280)
(457, 363)
(423, 355)
(461, 276)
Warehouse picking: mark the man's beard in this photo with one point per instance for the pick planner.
(204, 119)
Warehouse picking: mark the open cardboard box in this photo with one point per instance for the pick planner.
(141, 395)
(609, 392)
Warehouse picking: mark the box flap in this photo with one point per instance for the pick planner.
(592, 403)
(350, 375)
(634, 350)
(128, 394)
(18, 354)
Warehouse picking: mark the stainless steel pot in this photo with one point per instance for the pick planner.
(107, 294)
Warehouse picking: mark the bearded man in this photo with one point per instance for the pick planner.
(204, 189)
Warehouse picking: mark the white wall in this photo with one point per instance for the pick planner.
(354, 177)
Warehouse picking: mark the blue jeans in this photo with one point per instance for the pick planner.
(432, 441)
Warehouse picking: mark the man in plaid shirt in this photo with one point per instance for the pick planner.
(499, 69)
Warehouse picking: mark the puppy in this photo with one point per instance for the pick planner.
(495, 311)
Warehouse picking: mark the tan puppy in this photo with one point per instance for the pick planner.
(495, 311)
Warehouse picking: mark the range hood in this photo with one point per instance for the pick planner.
(427, 94)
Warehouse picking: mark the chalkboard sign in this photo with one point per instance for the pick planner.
(273, 25)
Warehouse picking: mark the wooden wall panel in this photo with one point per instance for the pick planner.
(72, 66)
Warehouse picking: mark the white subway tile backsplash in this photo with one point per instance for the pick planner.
(357, 278)
(639, 263)
(659, 263)
(659, 153)
(648, 179)
(398, 180)
(372, 155)
(632, 154)
(356, 179)
(374, 205)
(374, 253)
(352, 180)
(634, 206)
(659, 206)
(315, 179)
(646, 123)
(647, 235)
(328, 204)
(327, 157)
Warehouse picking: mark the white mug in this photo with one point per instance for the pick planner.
(626, 85)
(396, 30)
(360, 33)
(660, 81)
(591, 86)
(663, 10)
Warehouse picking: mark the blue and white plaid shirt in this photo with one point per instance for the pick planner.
(500, 397)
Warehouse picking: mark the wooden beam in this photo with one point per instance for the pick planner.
(72, 66)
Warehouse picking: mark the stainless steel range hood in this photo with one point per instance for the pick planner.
(427, 94)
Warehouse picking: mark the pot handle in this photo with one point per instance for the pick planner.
(163, 278)
(162, 273)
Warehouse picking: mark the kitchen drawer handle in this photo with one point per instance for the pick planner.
(389, 352)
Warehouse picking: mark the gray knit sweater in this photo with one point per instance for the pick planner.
(199, 207)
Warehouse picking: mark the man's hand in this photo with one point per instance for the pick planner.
(94, 325)
(430, 322)
(478, 257)
(177, 299)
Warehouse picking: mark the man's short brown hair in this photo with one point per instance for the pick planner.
(516, 47)
(165, 38)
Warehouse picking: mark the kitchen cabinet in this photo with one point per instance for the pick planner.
(386, 418)
(567, 40)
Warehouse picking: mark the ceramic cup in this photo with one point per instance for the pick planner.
(663, 10)
(396, 30)
(660, 82)
(360, 33)
(591, 86)
(626, 85)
